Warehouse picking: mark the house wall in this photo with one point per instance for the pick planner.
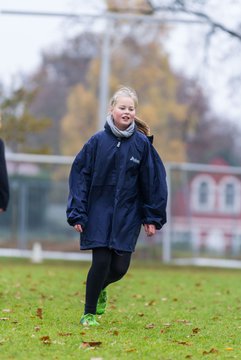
(206, 212)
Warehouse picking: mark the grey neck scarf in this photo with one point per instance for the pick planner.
(120, 133)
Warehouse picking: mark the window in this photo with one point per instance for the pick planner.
(230, 195)
(203, 193)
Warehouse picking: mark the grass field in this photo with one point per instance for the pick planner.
(155, 312)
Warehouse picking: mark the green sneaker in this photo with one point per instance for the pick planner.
(101, 304)
(89, 320)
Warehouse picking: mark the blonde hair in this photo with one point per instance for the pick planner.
(142, 126)
(124, 91)
(129, 92)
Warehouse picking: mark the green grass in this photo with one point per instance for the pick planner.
(153, 313)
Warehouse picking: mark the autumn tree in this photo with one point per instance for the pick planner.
(19, 124)
(214, 139)
(59, 72)
(80, 120)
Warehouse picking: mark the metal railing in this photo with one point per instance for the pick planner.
(36, 214)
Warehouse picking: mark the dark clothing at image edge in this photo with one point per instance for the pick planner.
(4, 186)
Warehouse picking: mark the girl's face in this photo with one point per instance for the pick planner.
(123, 112)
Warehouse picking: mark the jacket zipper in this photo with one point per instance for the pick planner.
(117, 165)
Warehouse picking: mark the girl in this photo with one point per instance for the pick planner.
(117, 183)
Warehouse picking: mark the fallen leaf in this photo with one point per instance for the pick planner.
(186, 322)
(6, 311)
(86, 344)
(150, 326)
(229, 349)
(39, 313)
(183, 343)
(115, 332)
(4, 319)
(150, 303)
(131, 350)
(65, 334)
(212, 351)
(140, 314)
(45, 340)
(37, 328)
(196, 330)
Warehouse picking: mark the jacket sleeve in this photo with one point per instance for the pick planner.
(4, 185)
(79, 185)
(153, 188)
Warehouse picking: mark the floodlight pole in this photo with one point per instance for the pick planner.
(104, 75)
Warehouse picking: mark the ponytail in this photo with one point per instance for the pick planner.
(142, 126)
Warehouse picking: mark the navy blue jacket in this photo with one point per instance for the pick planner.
(115, 186)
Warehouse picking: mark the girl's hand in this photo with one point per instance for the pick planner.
(78, 228)
(150, 229)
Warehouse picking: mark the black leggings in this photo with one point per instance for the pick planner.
(107, 267)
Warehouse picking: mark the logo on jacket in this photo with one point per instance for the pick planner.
(135, 160)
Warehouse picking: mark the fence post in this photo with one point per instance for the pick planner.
(22, 238)
(166, 253)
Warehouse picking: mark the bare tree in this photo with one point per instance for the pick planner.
(213, 47)
(198, 9)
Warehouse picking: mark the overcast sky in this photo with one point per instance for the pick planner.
(23, 38)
